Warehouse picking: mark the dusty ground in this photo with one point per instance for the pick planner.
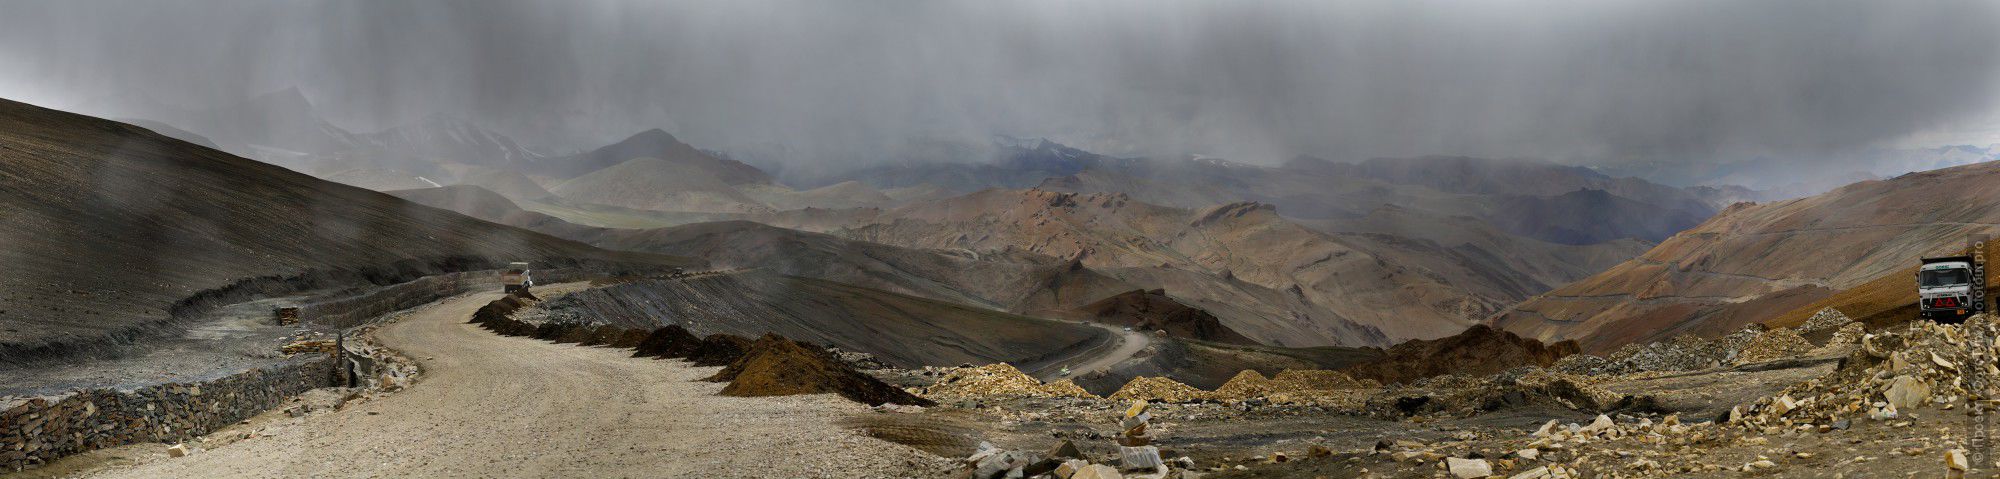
(493, 406)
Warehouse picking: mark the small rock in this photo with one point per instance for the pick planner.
(177, 450)
(1601, 424)
(1546, 429)
(1955, 459)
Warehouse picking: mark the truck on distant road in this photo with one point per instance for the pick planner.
(1944, 288)
(516, 277)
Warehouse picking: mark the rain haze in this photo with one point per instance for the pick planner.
(1036, 239)
(1582, 82)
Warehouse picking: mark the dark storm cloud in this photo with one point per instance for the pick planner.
(1260, 81)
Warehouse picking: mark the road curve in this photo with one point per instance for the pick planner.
(1129, 344)
(495, 406)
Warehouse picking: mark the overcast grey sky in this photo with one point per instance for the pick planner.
(1584, 80)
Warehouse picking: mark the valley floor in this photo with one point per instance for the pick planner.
(495, 406)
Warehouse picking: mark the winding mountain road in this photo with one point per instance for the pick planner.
(495, 406)
(1129, 344)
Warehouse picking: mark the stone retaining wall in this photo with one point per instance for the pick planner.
(37, 431)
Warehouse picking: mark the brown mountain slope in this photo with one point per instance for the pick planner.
(1142, 243)
(108, 226)
(1753, 262)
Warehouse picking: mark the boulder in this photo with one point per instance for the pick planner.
(1907, 392)
(1468, 468)
(1142, 457)
(1097, 471)
(1065, 450)
(1069, 468)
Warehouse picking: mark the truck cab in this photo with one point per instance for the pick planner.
(1944, 287)
(517, 277)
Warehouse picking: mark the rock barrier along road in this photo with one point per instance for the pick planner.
(495, 406)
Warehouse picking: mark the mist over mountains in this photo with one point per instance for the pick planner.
(1594, 83)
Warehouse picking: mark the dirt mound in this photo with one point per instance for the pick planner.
(719, 350)
(998, 380)
(1245, 385)
(775, 366)
(671, 341)
(1480, 350)
(1297, 386)
(1153, 310)
(1157, 389)
(1781, 343)
(1317, 380)
(629, 338)
(1827, 319)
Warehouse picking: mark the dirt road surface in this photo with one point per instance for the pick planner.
(1129, 344)
(494, 406)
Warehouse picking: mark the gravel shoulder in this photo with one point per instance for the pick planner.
(494, 406)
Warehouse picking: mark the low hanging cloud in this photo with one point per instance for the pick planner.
(1585, 81)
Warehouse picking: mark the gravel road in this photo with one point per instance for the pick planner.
(494, 406)
(1129, 343)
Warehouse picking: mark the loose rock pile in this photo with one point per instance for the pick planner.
(1753, 344)
(1137, 457)
(1925, 365)
(1157, 389)
(1773, 345)
(998, 380)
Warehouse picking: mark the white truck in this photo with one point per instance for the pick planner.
(1945, 288)
(516, 277)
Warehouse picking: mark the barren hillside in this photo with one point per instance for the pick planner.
(1754, 261)
(110, 226)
